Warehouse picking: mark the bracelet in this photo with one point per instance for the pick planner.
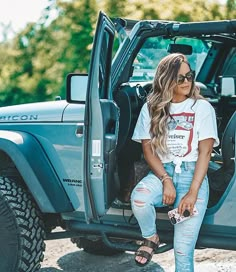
(163, 176)
(166, 177)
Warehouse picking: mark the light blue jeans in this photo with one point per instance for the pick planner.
(148, 194)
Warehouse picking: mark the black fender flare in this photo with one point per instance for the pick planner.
(36, 170)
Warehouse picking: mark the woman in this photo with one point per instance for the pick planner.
(177, 129)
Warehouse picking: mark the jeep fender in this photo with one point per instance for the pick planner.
(37, 172)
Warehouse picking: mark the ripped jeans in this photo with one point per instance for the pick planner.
(148, 194)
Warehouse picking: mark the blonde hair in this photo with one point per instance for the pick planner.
(165, 81)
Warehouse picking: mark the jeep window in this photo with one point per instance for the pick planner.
(230, 67)
(155, 48)
(104, 64)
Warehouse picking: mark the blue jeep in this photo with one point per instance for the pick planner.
(68, 163)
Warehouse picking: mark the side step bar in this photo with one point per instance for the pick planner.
(119, 238)
(128, 239)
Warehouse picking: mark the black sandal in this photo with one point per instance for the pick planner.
(144, 253)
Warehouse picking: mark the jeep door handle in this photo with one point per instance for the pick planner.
(79, 130)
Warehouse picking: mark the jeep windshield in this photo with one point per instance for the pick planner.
(155, 48)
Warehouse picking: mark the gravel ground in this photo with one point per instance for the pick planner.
(62, 255)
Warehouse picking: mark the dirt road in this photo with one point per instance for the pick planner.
(64, 256)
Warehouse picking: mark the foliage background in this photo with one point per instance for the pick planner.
(34, 64)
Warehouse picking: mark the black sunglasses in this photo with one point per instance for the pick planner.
(189, 76)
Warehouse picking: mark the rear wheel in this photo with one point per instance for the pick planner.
(21, 229)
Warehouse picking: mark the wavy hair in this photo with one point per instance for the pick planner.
(165, 81)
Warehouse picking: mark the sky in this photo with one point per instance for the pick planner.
(20, 12)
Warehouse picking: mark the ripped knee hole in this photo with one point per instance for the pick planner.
(143, 190)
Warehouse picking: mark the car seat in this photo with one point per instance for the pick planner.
(130, 100)
(220, 175)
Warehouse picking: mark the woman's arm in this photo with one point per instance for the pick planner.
(205, 149)
(158, 169)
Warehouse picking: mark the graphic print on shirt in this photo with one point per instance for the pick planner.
(180, 133)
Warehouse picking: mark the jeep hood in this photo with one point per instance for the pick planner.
(34, 112)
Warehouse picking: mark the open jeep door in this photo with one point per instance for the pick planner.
(101, 124)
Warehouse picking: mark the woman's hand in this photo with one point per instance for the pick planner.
(169, 192)
(187, 202)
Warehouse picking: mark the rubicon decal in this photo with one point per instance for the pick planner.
(16, 117)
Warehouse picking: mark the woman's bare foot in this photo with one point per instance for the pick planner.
(140, 258)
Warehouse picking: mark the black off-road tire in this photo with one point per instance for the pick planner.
(95, 247)
(21, 229)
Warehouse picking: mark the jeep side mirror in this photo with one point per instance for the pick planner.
(227, 86)
(76, 87)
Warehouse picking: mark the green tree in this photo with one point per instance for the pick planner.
(44, 53)
(115, 8)
(35, 63)
(182, 10)
(231, 9)
(79, 18)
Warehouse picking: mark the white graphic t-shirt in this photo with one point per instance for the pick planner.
(190, 121)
